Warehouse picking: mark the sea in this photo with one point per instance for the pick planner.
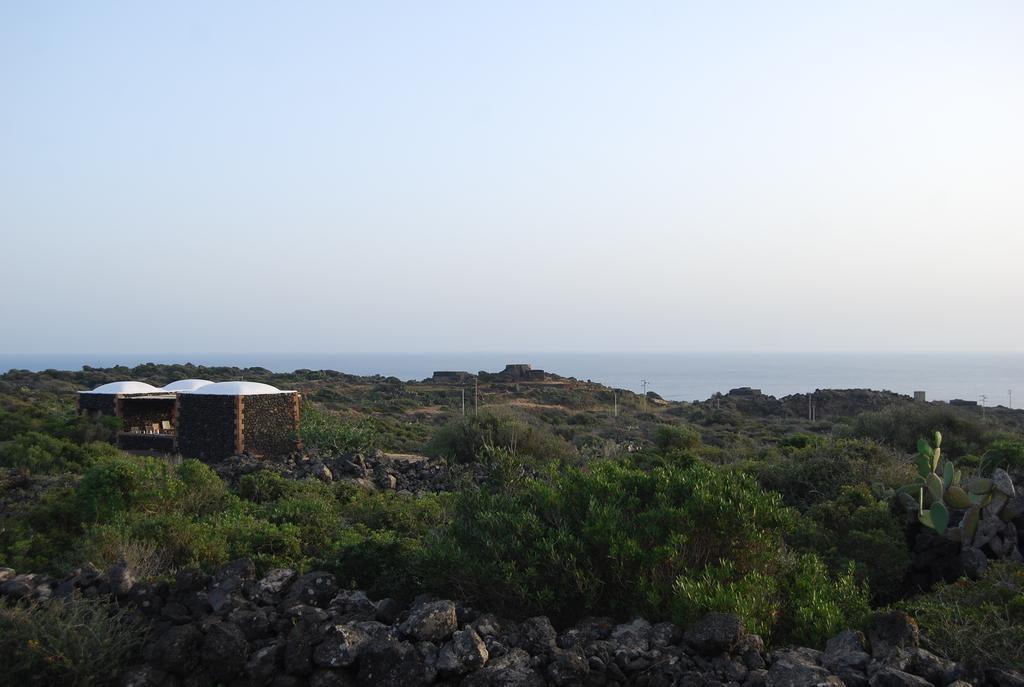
(989, 378)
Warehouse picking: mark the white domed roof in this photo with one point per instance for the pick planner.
(237, 389)
(123, 388)
(186, 385)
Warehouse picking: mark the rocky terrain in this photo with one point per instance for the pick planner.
(286, 630)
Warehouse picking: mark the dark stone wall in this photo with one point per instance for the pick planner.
(143, 413)
(269, 426)
(146, 442)
(206, 426)
(91, 404)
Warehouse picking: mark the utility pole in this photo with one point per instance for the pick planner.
(1009, 393)
(615, 400)
(476, 395)
(643, 383)
(983, 398)
(463, 401)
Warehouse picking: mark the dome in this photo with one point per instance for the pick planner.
(186, 385)
(124, 388)
(237, 389)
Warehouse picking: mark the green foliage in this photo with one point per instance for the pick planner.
(857, 528)
(78, 643)
(614, 539)
(901, 427)
(981, 622)
(327, 433)
(817, 606)
(121, 482)
(1007, 454)
(675, 437)
(818, 471)
(464, 440)
(40, 453)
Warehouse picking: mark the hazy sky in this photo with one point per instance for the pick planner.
(219, 176)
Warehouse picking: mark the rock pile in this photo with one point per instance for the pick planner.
(376, 470)
(292, 630)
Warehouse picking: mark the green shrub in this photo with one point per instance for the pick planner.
(675, 437)
(1007, 454)
(980, 622)
(606, 539)
(78, 643)
(858, 528)
(40, 453)
(901, 427)
(816, 473)
(118, 483)
(201, 490)
(264, 486)
(464, 440)
(327, 433)
(799, 603)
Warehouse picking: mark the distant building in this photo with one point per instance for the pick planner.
(451, 377)
(919, 396)
(521, 372)
(200, 419)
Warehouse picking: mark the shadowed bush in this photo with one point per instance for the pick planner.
(77, 643)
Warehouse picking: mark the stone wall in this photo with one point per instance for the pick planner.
(206, 426)
(270, 424)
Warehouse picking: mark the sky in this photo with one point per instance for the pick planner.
(493, 176)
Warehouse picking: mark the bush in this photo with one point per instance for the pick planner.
(901, 427)
(1003, 453)
(860, 529)
(122, 482)
(464, 440)
(78, 643)
(816, 473)
(980, 622)
(40, 453)
(675, 437)
(326, 433)
(614, 539)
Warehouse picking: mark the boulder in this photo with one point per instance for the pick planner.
(890, 677)
(893, 629)
(242, 569)
(224, 651)
(536, 635)
(431, 621)
(314, 589)
(332, 678)
(514, 669)
(567, 668)
(177, 650)
(797, 669)
(387, 663)
(340, 647)
(388, 610)
(273, 584)
(845, 656)
(263, 664)
(121, 579)
(714, 633)
(1004, 678)
(465, 652)
(353, 605)
(633, 638)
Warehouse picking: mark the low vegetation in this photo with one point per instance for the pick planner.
(665, 512)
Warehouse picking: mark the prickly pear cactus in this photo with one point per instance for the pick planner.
(975, 514)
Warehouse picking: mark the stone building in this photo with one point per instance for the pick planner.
(199, 419)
